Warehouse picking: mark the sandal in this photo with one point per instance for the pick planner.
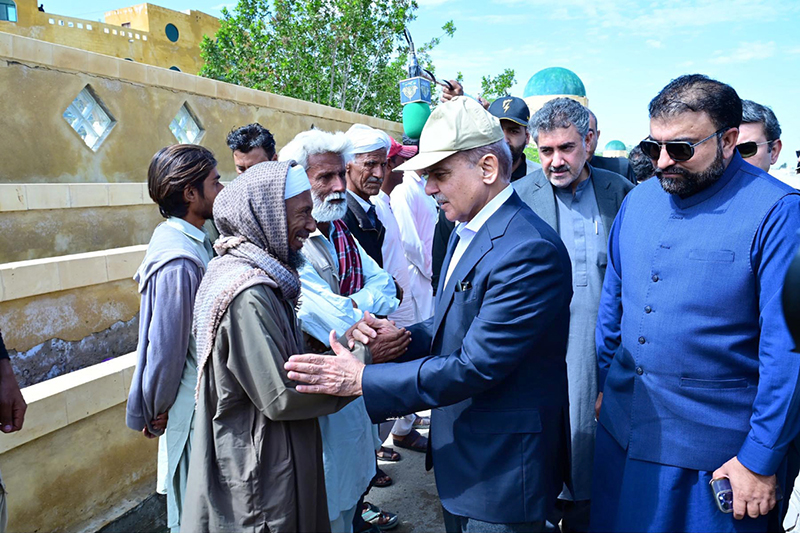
(413, 441)
(384, 520)
(387, 454)
(381, 479)
(423, 422)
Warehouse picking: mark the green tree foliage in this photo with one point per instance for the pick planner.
(532, 152)
(348, 54)
(498, 86)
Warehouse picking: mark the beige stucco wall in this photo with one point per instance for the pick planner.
(39, 80)
(69, 315)
(46, 233)
(75, 458)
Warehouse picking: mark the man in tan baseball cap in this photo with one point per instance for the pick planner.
(492, 358)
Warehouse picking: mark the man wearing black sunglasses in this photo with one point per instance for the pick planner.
(759, 135)
(697, 376)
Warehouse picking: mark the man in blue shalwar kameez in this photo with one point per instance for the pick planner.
(696, 373)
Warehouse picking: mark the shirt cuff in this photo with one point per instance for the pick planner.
(363, 300)
(758, 458)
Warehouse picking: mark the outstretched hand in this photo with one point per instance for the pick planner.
(323, 374)
(753, 494)
(386, 341)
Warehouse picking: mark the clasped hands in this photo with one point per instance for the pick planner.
(341, 375)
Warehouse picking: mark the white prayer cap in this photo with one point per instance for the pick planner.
(366, 139)
(296, 182)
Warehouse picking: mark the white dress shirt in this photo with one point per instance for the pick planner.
(466, 232)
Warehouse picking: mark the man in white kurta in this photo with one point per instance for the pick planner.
(416, 214)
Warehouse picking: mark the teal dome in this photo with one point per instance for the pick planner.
(554, 80)
(616, 145)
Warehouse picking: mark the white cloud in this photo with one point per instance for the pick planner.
(746, 51)
(652, 43)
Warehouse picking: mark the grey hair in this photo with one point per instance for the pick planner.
(498, 149)
(314, 142)
(596, 124)
(559, 113)
(756, 113)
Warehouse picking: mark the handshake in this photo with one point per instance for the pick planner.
(341, 375)
(386, 341)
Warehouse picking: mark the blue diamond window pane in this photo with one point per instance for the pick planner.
(184, 127)
(89, 119)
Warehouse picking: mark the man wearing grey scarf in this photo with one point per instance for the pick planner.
(256, 460)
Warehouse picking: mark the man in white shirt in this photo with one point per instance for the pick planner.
(416, 214)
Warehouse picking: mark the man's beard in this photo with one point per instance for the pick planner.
(692, 182)
(326, 211)
(295, 259)
(517, 152)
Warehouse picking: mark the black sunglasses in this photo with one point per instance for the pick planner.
(749, 148)
(677, 150)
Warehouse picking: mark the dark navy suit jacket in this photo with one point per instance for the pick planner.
(491, 361)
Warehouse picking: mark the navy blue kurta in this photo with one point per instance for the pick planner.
(694, 354)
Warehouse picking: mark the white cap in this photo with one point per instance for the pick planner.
(296, 182)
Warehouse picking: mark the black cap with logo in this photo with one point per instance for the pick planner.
(511, 108)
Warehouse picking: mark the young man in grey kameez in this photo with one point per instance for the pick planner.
(257, 453)
(183, 181)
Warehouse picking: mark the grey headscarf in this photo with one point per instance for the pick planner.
(253, 249)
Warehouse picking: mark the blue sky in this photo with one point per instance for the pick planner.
(623, 50)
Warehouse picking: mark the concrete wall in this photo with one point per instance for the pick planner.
(39, 80)
(75, 459)
(145, 41)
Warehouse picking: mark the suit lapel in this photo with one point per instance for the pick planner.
(480, 244)
(606, 202)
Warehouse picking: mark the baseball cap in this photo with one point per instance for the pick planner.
(511, 108)
(455, 126)
(402, 150)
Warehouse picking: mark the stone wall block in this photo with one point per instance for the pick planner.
(88, 194)
(161, 77)
(123, 263)
(82, 270)
(92, 397)
(103, 65)
(146, 194)
(6, 45)
(28, 278)
(206, 87)
(13, 197)
(184, 82)
(246, 95)
(125, 194)
(32, 50)
(131, 71)
(226, 91)
(71, 58)
(47, 196)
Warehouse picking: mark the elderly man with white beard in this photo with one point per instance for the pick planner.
(340, 281)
